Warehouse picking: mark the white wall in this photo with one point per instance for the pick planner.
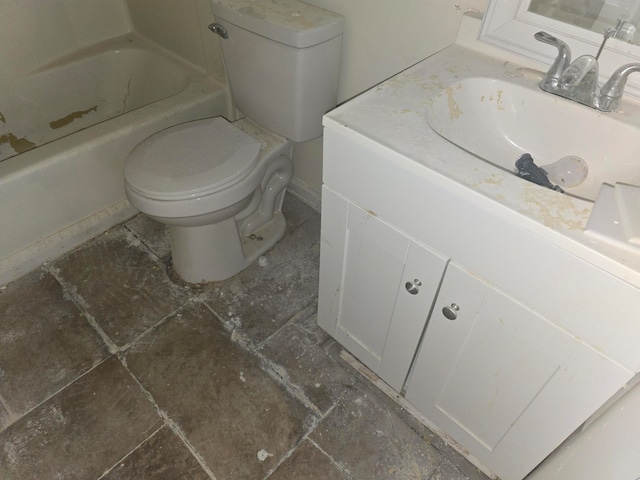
(381, 38)
(181, 26)
(34, 32)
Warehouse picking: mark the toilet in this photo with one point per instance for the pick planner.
(219, 185)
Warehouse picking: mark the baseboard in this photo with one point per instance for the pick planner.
(305, 193)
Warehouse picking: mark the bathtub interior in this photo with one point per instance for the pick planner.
(71, 112)
(84, 89)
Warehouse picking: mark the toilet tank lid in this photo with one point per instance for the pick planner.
(291, 22)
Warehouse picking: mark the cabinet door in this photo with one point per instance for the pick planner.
(502, 381)
(376, 289)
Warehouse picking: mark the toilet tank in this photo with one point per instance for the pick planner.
(283, 62)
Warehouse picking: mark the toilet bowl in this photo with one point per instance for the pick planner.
(219, 187)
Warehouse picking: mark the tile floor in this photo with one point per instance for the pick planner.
(109, 370)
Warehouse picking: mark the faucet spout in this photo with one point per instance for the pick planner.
(579, 71)
(561, 62)
(579, 81)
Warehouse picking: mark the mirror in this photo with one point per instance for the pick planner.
(594, 15)
(511, 25)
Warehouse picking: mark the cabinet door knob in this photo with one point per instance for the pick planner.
(451, 312)
(413, 287)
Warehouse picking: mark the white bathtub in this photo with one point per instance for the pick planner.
(73, 123)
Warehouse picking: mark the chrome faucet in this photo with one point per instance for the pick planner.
(562, 61)
(578, 81)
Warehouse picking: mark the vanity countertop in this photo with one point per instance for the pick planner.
(392, 116)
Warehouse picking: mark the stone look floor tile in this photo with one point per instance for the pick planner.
(231, 411)
(259, 300)
(81, 431)
(45, 342)
(5, 416)
(370, 441)
(163, 457)
(153, 234)
(447, 471)
(308, 463)
(120, 285)
(300, 358)
(296, 212)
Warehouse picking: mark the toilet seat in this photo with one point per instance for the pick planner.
(191, 160)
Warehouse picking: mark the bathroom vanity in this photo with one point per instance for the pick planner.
(474, 294)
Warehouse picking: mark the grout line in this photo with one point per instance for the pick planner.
(169, 422)
(275, 371)
(13, 416)
(149, 250)
(110, 469)
(296, 316)
(71, 292)
(341, 467)
(67, 385)
(155, 326)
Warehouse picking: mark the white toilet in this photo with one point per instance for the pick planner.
(218, 185)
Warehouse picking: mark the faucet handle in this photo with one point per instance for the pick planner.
(562, 60)
(612, 91)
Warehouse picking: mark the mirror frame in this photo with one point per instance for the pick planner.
(509, 25)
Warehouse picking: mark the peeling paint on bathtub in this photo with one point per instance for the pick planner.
(19, 144)
(66, 120)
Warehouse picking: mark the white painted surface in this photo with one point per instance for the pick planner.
(499, 376)
(606, 449)
(372, 313)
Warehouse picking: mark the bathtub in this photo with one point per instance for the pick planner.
(65, 132)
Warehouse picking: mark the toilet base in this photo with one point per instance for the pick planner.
(216, 252)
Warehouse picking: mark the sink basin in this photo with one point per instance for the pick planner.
(498, 121)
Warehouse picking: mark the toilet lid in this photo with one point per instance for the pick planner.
(191, 159)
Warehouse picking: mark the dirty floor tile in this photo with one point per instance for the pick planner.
(45, 342)
(296, 212)
(308, 463)
(153, 234)
(370, 441)
(448, 471)
(244, 386)
(163, 457)
(259, 300)
(80, 432)
(298, 356)
(5, 417)
(235, 415)
(120, 285)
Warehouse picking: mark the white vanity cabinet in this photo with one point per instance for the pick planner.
(377, 298)
(501, 380)
(482, 350)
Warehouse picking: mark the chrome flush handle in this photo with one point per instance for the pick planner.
(219, 29)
